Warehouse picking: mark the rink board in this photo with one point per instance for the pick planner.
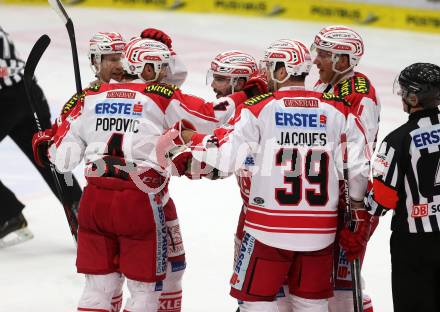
(371, 14)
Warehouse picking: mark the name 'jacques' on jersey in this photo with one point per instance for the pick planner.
(294, 137)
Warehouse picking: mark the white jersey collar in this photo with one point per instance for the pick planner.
(292, 88)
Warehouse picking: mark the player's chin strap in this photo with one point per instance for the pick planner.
(335, 59)
(233, 83)
(151, 80)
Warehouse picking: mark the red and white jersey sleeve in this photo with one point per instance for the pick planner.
(361, 94)
(205, 116)
(124, 120)
(294, 137)
(117, 120)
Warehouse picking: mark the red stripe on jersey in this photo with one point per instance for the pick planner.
(291, 231)
(65, 125)
(92, 310)
(291, 221)
(171, 293)
(198, 114)
(315, 212)
(385, 195)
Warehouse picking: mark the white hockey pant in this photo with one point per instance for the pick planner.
(308, 305)
(342, 301)
(283, 302)
(143, 297)
(117, 297)
(171, 296)
(98, 291)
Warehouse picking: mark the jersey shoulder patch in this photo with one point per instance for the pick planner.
(161, 89)
(72, 102)
(362, 85)
(257, 99)
(337, 98)
(95, 87)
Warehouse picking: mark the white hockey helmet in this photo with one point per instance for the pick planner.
(340, 40)
(233, 65)
(105, 43)
(292, 53)
(139, 52)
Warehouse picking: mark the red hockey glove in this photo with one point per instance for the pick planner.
(354, 242)
(181, 162)
(40, 143)
(170, 143)
(158, 35)
(256, 85)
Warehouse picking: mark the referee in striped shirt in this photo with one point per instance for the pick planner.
(406, 180)
(17, 122)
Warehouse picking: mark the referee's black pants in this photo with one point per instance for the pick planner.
(415, 261)
(17, 121)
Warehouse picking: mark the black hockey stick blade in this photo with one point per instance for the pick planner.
(29, 70)
(35, 56)
(62, 13)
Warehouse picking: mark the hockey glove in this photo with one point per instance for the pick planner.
(181, 162)
(355, 242)
(158, 35)
(171, 142)
(40, 144)
(256, 85)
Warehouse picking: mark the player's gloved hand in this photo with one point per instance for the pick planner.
(181, 162)
(171, 142)
(256, 85)
(40, 144)
(158, 35)
(354, 242)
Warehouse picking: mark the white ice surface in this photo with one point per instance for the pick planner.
(40, 275)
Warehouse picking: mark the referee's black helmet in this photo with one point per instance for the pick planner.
(423, 81)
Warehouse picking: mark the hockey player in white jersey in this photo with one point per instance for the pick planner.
(290, 224)
(338, 50)
(127, 110)
(229, 72)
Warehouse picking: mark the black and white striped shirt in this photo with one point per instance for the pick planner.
(406, 175)
(11, 67)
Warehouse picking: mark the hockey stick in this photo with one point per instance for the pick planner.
(59, 9)
(29, 70)
(355, 265)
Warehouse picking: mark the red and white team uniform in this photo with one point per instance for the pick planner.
(290, 224)
(357, 89)
(114, 127)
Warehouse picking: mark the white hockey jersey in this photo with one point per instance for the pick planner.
(125, 120)
(297, 164)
